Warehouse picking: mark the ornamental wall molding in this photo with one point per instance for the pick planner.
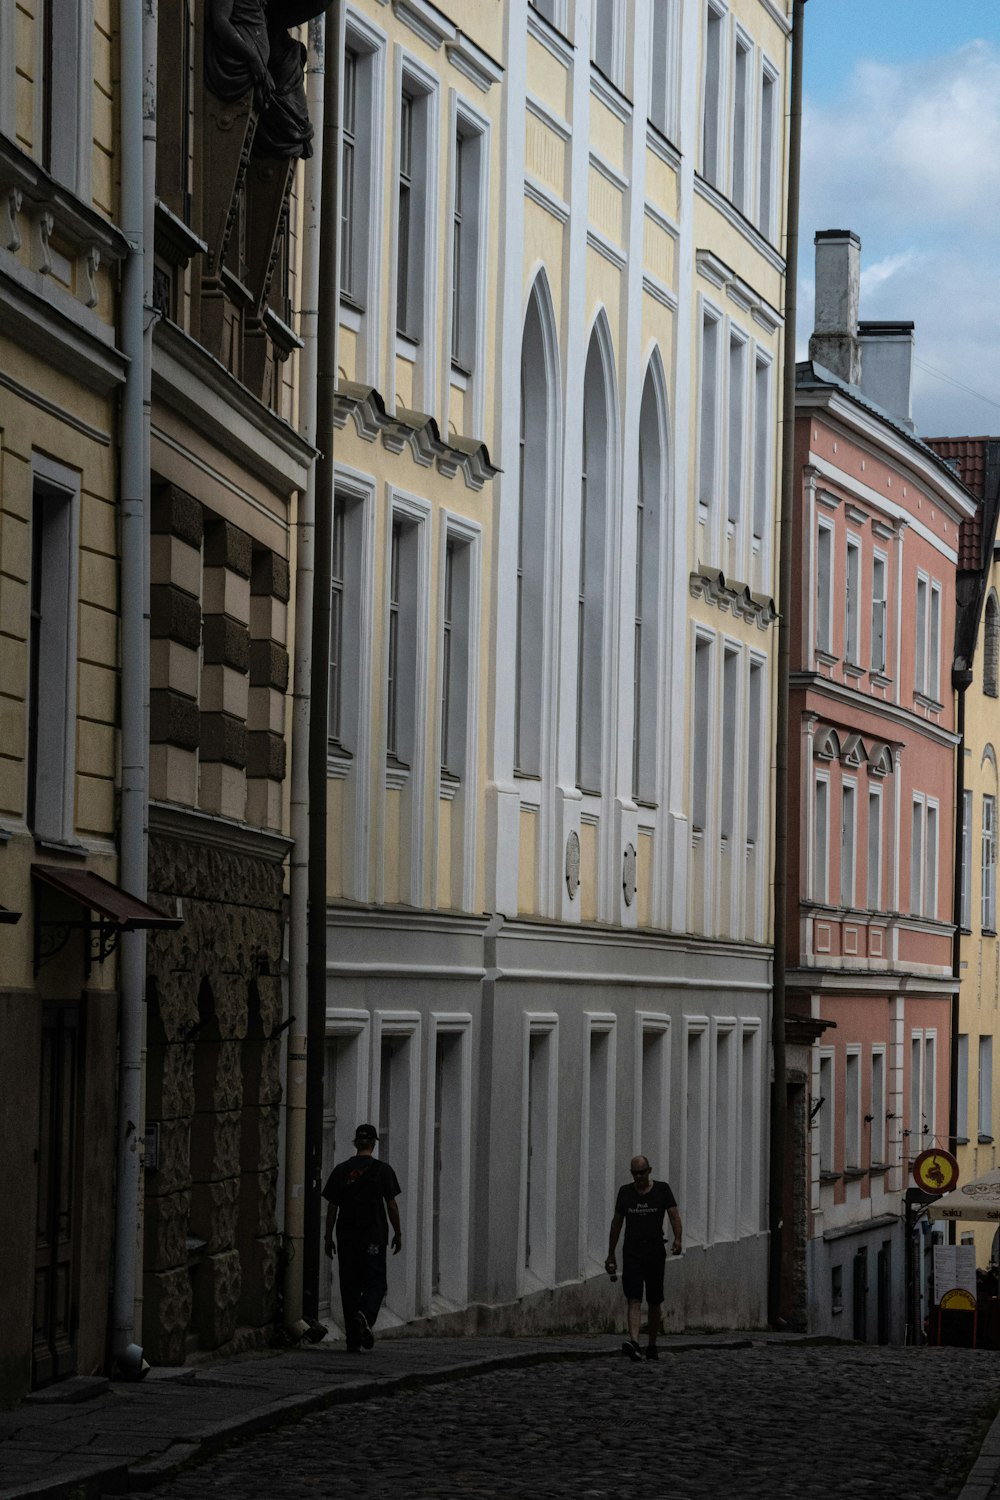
(734, 597)
(414, 429)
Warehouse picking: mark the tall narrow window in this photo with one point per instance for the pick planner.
(347, 204)
(874, 898)
(991, 648)
(755, 751)
(663, 66)
(985, 1120)
(934, 644)
(723, 1163)
(930, 862)
(917, 856)
(466, 234)
(878, 614)
(701, 738)
(730, 681)
(820, 838)
(824, 1106)
(711, 153)
(878, 1110)
(929, 1089)
(392, 652)
(595, 484)
(605, 49)
(402, 643)
(456, 256)
(768, 134)
(743, 55)
(962, 1088)
(852, 602)
(847, 843)
(406, 321)
(761, 446)
(531, 537)
(708, 467)
(456, 664)
(852, 1110)
(737, 415)
(966, 915)
(539, 1153)
(337, 618)
(920, 638)
(649, 506)
(52, 653)
(600, 1141)
(915, 1123)
(697, 1134)
(989, 863)
(413, 216)
(824, 589)
(446, 653)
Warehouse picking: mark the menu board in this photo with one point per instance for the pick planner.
(954, 1266)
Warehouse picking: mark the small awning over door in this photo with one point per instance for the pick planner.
(115, 909)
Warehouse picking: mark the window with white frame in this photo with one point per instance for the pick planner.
(66, 78)
(848, 837)
(724, 1135)
(533, 500)
(713, 91)
(348, 208)
(989, 865)
(337, 616)
(917, 822)
(456, 664)
(402, 608)
(449, 1223)
(962, 1087)
(607, 41)
(696, 1168)
(737, 422)
(874, 896)
(467, 214)
(985, 1114)
(821, 836)
(730, 719)
(347, 596)
(755, 750)
(708, 414)
(915, 1120)
(599, 1137)
(552, 10)
(654, 1092)
(824, 588)
(878, 613)
(741, 121)
(878, 1109)
(395, 1084)
(852, 602)
(852, 1108)
(761, 444)
(596, 478)
(930, 890)
(825, 1110)
(649, 512)
(539, 1147)
(927, 653)
(663, 65)
(414, 279)
(361, 162)
(966, 913)
(52, 650)
(748, 1186)
(701, 739)
(929, 1088)
(768, 136)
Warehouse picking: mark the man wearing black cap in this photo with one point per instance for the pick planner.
(359, 1193)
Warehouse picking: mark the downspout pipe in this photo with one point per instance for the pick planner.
(138, 168)
(298, 901)
(328, 317)
(779, 1095)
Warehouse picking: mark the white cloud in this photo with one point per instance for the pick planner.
(909, 158)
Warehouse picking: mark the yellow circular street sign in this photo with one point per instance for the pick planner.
(935, 1171)
(958, 1299)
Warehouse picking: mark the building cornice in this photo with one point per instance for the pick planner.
(814, 682)
(189, 825)
(742, 225)
(194, 384)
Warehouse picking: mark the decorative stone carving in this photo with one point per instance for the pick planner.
(284, 129)
(573, 864)
(237, 49)
(10, 232)
(89, 262)
(44, 224)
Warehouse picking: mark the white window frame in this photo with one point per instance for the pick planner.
(664, 54)
(350, 759)
(920, 634)
(962, 1088)
(852, 1107)
(737, 405)
(873, 873)
(714, 92)
(405, 1025)
(732, 717)
(709, 411)
(988, 866)
(932, 831)
(918, 822)
(877, 1106)
(984, 1112)
(453, 1290)
(345, 1105)
(599, 501)
(418, 341)
(56, 489)
(880, 613)
(852, 600)
(825, 541)
(412, 706)
(768, 94)
(703, 737)
(826, 1111)
(741, 121)
(763, 464)
(724, 1130)
(473, 128)
(848, 841)
(651, 1118)
(696, 1087)
(652, 513)
(369, 44)
(541, 1272)
(821, 838)
(966, 904)
(597, 1133)
(750, 1093)
(934, 643)
(459, 781)
(607, 26)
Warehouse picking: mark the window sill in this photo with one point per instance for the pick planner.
(879, 679)
(852, 669)
(984, 1140)
(880, 1168)
(829, 1177)
(961, 1140)
(825, 658)
(460, 376)
(397, 775)
(922, 700)
(854, 1174)
(350, 313)
(72, 847)
(407, 347)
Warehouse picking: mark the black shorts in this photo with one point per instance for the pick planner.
(644, 1270)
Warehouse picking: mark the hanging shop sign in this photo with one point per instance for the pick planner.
(935, 1171)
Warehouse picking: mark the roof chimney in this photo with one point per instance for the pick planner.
(887, 367)
(834, 343)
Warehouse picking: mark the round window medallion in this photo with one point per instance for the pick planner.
(628, 874)
(573, 864)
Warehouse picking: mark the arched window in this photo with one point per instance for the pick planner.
(648, 540)
(991, 648)
(537, 406)
(595, 489)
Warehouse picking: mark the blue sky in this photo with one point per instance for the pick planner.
(901, 142)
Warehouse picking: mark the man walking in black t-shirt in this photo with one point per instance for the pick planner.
(359, 1193)
(640, 1206)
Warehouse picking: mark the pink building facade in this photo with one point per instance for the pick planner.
(872, 747)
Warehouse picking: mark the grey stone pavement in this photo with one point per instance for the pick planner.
(741, 1415)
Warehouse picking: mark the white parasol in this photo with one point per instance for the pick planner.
(979, 1199)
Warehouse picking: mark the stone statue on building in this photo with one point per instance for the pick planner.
(237, 50)
(284, 129)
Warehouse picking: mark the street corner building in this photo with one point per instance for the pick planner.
(881, 549)
(553, 642)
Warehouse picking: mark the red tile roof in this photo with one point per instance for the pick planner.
(968, 455)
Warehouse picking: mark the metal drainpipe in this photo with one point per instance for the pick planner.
(328, 317)
(295, 1087)
(779, 1099)
(138, 164)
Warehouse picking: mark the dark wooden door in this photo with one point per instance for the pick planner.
(54, 1347)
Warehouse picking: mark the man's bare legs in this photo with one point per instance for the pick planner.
(655, 1322)
(634, 1320)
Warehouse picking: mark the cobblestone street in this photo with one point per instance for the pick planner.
(767, 1420)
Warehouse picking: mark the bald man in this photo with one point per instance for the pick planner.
(640, 1207)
